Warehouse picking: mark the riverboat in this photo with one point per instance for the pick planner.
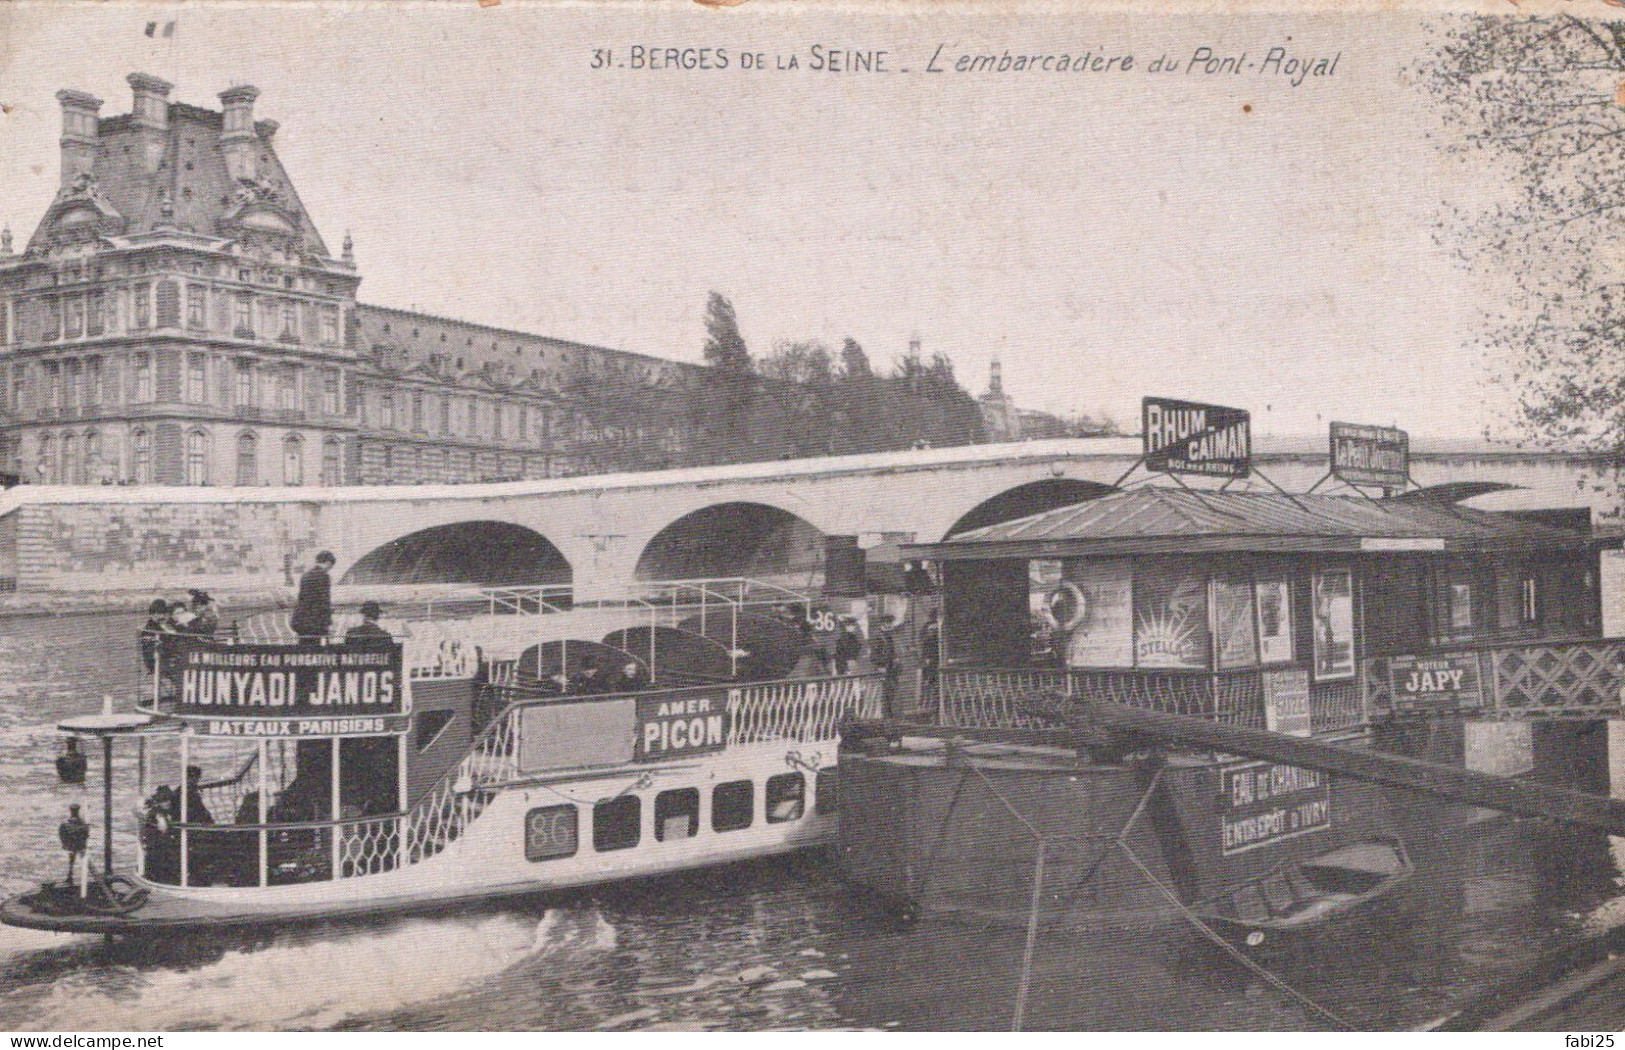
(1318, 626)
(478, 754)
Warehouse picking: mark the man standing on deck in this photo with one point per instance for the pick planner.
(313, 609)
(883, 654)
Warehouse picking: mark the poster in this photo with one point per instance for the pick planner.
(1334, 624)
(1286, 702)
(1104, 635)
(1170, 619)
(1265, 802)
(1274, 621)
(1435, 684)
(1234, 627)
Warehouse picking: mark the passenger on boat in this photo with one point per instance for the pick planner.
(205, 614)
(70, 764)
(368, 630)
(848, 646)
(313, 608)
(883, 654)
(627, 678)
(160, 844)
(197, 811)
(180, 618)
(74, 834)
(156, 625)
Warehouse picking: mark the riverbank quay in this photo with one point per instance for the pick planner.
(234, 604)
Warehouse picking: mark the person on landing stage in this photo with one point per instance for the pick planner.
(313, 609)
(883, 654)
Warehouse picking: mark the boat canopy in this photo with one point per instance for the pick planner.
(1153, 520)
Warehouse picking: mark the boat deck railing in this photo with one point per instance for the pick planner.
(1564, 679)
(271, 853)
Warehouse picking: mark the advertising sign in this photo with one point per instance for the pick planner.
(678, 726)
(292, 690)
(1188, 437)
(1103, 635)
(1265, 802)
(1363, 455)
(1430, 684)
(1333, 620)
(1286, 702)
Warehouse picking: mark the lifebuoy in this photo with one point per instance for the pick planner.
(1066, 605)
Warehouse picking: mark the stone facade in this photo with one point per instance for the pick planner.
(177, 319)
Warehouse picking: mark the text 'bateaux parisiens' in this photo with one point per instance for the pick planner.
(1286, 63)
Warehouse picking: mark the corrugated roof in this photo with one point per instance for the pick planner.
(1167, 520)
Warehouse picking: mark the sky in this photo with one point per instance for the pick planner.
(1224, 237)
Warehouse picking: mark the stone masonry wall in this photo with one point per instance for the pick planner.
(123, 547)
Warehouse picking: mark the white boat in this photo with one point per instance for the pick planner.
(331, 780)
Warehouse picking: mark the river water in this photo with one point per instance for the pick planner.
(775, 945)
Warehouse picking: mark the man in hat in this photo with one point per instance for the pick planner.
(74, 834)
(205, 615)
(883, 654)
(368, 630)
(313, 609)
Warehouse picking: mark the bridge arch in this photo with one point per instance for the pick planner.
(479, 553)
(1034, 497)
(740, 538)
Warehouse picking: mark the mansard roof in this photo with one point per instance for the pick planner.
(184, 184)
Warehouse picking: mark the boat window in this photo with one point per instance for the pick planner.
(732, 805)
(677, 814)
(617, 824)
(786, 797)
(824, 797)
(551, 833)
(428, 725)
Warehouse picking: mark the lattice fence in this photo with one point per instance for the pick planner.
(993, 699)
(803, 711)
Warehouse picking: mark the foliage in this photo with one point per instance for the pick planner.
(1532, 106)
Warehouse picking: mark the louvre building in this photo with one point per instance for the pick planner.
(177, 319)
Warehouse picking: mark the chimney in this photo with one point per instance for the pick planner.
(150, 115)
(238, 139)
(79, 133)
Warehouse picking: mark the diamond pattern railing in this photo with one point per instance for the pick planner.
(1559, 680)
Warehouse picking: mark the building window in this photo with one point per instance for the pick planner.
(93, 381)
(496, 419)
(269, 315)
(19, 387)
(74, 322)
(141, 312)
(70, 460)
(732, 805)
(677, 814)
(245, 315)
(288, 390)
(445, 414)
(330, 391)
(96, 322)
(5, 321)
(443, 470)
(786, 797)
(245, 384)
(197, 387)
(143, 377)
(53, 384)
(141, 457)
(617, 823)
(248, 459)
(46, 468)
(52, 327)
(70, 385)
(196, 306)
(293, 460)
(386, 411)
(330, 325)
(93, 457)
(290, 321)
(197, 458)
(551, 832)
(523, 433)
(417, 411)
(1528, 599)
(331, 462)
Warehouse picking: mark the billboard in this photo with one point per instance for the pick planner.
(292, 690)
(1188, 437)
(1362, 455)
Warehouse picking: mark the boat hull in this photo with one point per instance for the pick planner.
(1000, 832)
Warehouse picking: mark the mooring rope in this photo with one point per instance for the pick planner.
(1234, 952)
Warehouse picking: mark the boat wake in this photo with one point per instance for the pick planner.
(310, 979)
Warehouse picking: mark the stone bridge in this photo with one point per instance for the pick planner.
(603, 533)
